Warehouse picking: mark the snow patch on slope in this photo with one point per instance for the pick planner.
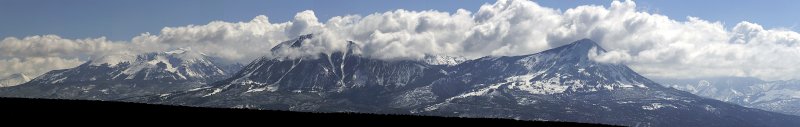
(443, 60)
(480, 92)
(415, 97)
(524, 83)
(655, 106)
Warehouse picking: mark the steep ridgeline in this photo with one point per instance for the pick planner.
(115, 77)
(561, 84)
(776, 96)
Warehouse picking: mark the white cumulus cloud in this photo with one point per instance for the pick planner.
(652, 44)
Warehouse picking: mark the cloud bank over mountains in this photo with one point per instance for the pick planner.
(652, 44)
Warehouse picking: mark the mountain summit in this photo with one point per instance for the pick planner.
(565, 69)
(178, 65)
(577, 49)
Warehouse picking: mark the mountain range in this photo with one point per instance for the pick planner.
(776, 96)
(560, 84)
(120, 76)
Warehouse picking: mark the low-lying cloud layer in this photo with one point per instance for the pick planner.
(652, 44)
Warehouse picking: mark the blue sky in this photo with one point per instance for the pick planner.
(121, 20)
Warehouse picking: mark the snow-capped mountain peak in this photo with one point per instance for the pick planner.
(180, 65)
(189, 55)
(564, 69)
(297, 42)
(443, 60)
(181, 54)
(578, 50)
(112, 60)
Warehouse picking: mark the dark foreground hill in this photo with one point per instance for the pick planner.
(24, 106)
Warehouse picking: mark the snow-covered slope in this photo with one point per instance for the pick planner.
(14, 80)
(566, 69)
(443, 60)
(558, 84)
(776, 96)
(180, 65)
(124, 75)
(561, 84)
